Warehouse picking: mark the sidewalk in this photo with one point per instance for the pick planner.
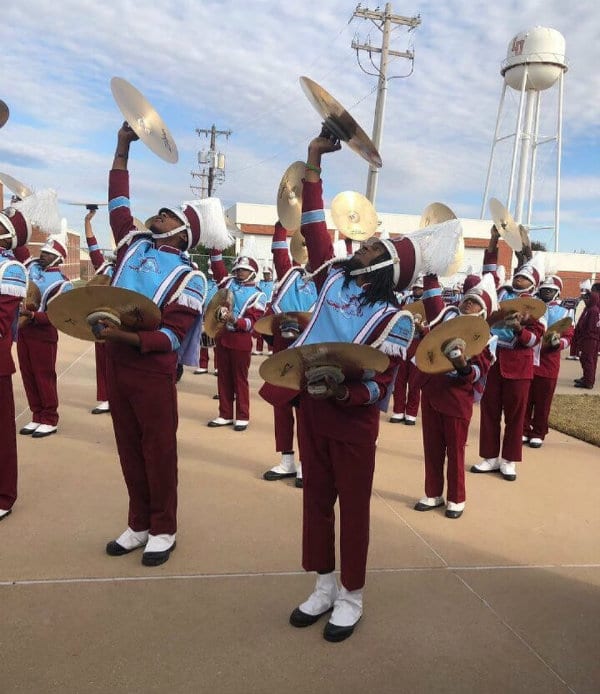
(504, 600)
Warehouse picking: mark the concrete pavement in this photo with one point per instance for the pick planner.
(503, 600)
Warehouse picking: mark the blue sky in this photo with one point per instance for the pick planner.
(237, 64)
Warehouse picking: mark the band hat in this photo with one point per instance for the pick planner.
(432, 249)
(16, 226)
(57, 245)
(533, 270)
(470, 281)
(585, 286)
(204, 222)
(245, 262)
(484, 293)
(418, 283)
(552, 282)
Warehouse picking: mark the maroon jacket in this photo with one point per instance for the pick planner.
(588, 325)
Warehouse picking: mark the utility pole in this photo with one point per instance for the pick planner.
(383, 20)
(213, 163)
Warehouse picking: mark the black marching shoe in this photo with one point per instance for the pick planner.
(336, 634)
(114, 549)
(157, 558)
(301, 619)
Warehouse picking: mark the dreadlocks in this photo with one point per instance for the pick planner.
(379, 285)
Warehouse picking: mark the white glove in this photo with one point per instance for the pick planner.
(222, 314)
(554, 339)
(454, 348)
(314, 374)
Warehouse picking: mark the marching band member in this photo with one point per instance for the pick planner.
(545, 374)
(205, 341)
(102, 267)
(338, 420)
(15, 230)
(142, 365)
(266, 287)
(587, 335)
(510, 376)
(295, 293)
(447, 398)
(233, 345)
(37, 342)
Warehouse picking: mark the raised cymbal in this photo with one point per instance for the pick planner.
(268, 324)
(523, 304)
(144, 120)
(289, 196)
(506, 225)
(4, 113)
(222, 299)
(429, 356)
(558, 327)
(354, 215)
(287, 368)
(16, 187)
(69, 311)
(435, 213)
(298, 249)
(89, 205)
(233, 228)
(339, 122)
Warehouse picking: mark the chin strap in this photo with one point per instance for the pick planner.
(166, 234)
(376, 266)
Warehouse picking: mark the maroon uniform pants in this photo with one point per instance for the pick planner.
(37, 361)
(260, 343)
(143, 407)
(8, 445)
(503, 396)
(407, 393)
(101, 387)
(588, 358)
(443, 436)
(335, 469)
(283, 419)
(541, 393)
(232, 380)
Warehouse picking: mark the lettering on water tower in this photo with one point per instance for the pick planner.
(517, 46)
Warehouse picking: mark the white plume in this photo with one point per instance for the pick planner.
(41, 209)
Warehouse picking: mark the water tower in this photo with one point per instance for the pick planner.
(535, 63)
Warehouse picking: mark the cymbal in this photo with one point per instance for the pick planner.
(354, 215)
(32, 301)
(212, 325)
(287, 368)
(144, 120)
(267, 325)
(506, 225)
(416, 308)
(4, 113)
(289, 196)
(339, 122)
(233, 228)
(98, 281)
(523, 304)
(558, 327)
(435, 213)
(298, 249)
(429, 356)
(69, 311)
(89, 205)
(16, 187)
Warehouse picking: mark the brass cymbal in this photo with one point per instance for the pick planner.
(429, 356)
(523, 304)
(298, 249)
(435, 213)
(288, 367)
(222, 299)
(4, 113)
(416, 308)
(506, 225)
(339, 122)
(289, 196)
(98, 281)
(16, 187)
(89, 205)
(32, 301)
(354, 215)
(144, 120)
(267, 325)
(558, 327)
(69, 311)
